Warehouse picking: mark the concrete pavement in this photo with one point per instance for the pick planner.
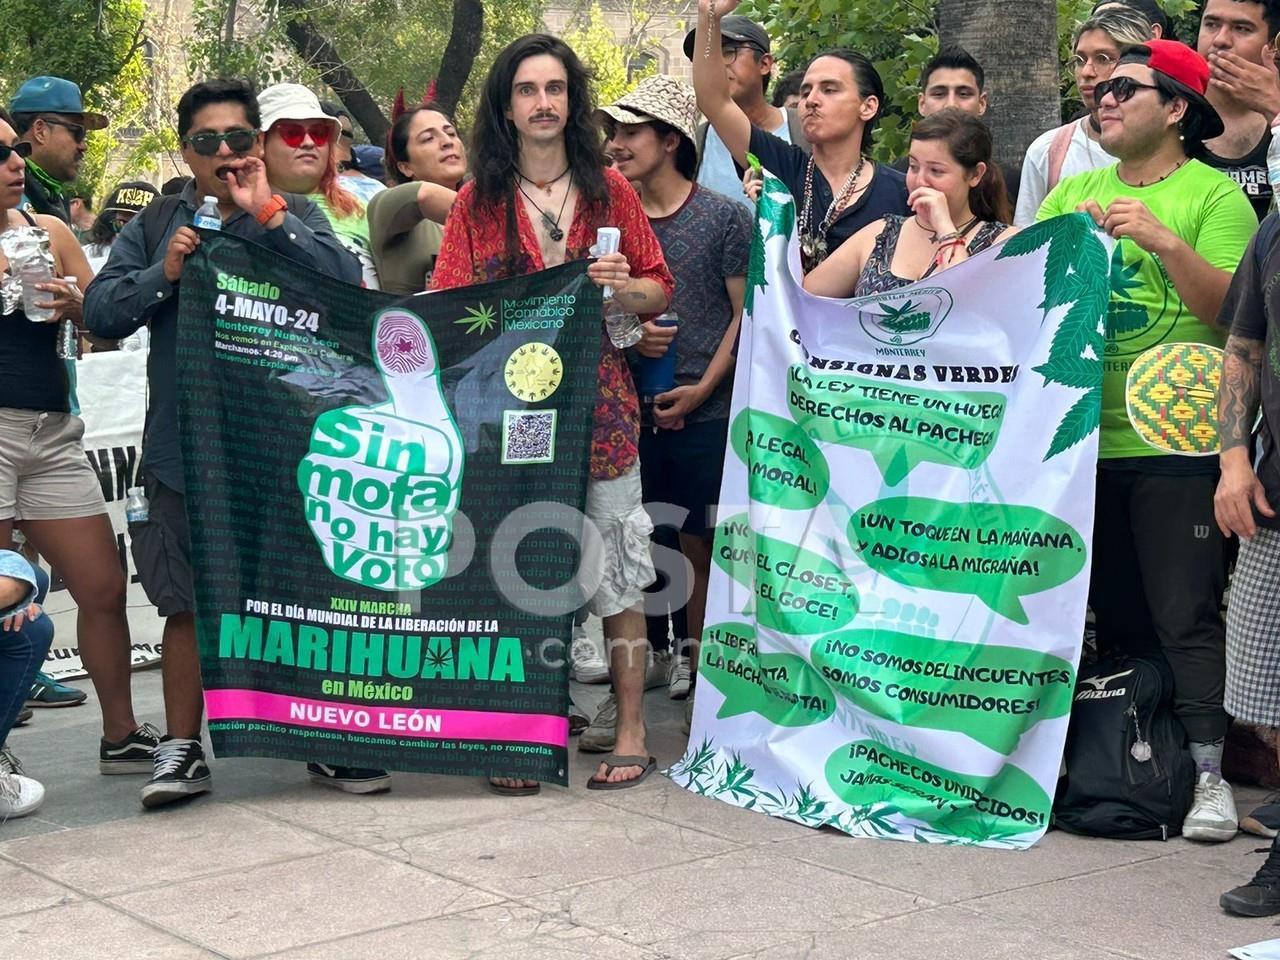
(269, 865)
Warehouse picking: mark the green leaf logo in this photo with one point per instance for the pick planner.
(479, 319)
(904, 318)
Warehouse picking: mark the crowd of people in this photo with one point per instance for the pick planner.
(1169, 156)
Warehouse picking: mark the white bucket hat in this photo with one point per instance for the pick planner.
(658, 98)
(290, 101)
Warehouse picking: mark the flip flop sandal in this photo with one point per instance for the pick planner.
(512, 791)
(612, 762)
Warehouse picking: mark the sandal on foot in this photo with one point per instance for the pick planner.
(503, 791)
(612, 762)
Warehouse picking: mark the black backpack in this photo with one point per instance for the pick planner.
(1129, 774)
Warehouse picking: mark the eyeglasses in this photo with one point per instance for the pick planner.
(730, 51)
(22, 149)
(237, 141)
(1100, 61)
(1122, 88)
(294, 133)
(77, 131)
(346, 135)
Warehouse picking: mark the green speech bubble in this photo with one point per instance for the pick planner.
(992, 693)
(898, 423)
(864, 773)
(781, 687)
(997, 552)
(784, 467)
(796, 591)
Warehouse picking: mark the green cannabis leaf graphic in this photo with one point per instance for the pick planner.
(1076, 273)
(480, 319)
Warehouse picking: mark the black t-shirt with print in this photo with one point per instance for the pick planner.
(1250, 172)
(1252, 307)
(887, 193)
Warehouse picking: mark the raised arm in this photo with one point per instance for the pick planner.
(711, 81)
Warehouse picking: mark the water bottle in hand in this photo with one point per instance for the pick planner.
(137, 508)
(208, 217)
(68, 337)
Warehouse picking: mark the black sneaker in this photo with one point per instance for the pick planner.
(180, 772)
(350, 779)
(1260, 897)
(133, 754)
(24, 717)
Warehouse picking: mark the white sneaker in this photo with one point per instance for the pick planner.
(658, 669)
(1213, 811)
(602, 735)
(678, 678)
(19, 796)
(586, 656)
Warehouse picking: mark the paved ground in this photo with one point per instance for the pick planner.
(270, 866)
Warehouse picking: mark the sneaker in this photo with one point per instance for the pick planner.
(587, 658)
(19, 796)
(1263, 821)
(24, 717)
(180, 772)
(601, 736)
(1213, 811)
(687, 726)
(48, 692)
(8, 762)
(679, 678)
(658, 669)
(1260, 897)
(350, 779)
(134, 754)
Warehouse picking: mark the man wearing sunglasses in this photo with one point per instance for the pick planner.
(218, 126)
(1180, 229)
(48, 113)
(745, 47)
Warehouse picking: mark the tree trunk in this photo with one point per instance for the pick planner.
(1017, 45)
(318, 51)
(460, 52)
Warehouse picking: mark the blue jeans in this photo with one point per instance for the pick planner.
(22, 654)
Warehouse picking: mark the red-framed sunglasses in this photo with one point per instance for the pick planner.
(293, 133)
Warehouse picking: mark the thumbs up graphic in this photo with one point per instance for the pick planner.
(380, 484)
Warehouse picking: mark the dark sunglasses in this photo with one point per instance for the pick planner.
(348, 135)
(294, 133)
(22, 149)
(237, 141)
(1122, 88)
(77, 131)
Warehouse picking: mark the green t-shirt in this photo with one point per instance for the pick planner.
(353, 232)
(1208, 211)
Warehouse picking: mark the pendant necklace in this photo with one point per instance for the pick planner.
(1143, 183)
(813, 244)
(551, 224)
(543, 185)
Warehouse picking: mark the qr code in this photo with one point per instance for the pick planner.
(528, 436)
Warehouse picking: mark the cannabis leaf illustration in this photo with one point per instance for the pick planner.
(899, 320)
(777, 209)
(1076, 273)
(480, 319)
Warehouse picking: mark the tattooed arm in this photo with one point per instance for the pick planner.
(1239, 490)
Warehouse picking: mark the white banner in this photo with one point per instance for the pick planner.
(902, 553)
(111, 389)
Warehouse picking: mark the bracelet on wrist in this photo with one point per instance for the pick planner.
(270, 209)
(951, 237)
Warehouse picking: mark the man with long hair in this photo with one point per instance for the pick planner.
(541, 191)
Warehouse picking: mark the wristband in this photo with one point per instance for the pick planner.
(954, 235)
(270, 209)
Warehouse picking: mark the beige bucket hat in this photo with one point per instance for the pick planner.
(658, 98)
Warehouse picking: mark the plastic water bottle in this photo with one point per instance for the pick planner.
(622, 326)
(35, 269)
(208, 217)
(658, 374)
(68, 339)
(136, 508)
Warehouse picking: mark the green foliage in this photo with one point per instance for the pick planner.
(619, 62)
(96, 45)
(900, 36)
(387, 44)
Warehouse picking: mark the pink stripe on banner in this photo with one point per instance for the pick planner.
(391, 721)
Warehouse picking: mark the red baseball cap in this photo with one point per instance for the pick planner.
(1187, 69)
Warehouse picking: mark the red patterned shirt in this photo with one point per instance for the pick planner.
(473, 251)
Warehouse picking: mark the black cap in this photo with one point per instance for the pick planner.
(738, 29)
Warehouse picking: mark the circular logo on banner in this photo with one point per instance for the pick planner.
(533, 372)
(1172, 398)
